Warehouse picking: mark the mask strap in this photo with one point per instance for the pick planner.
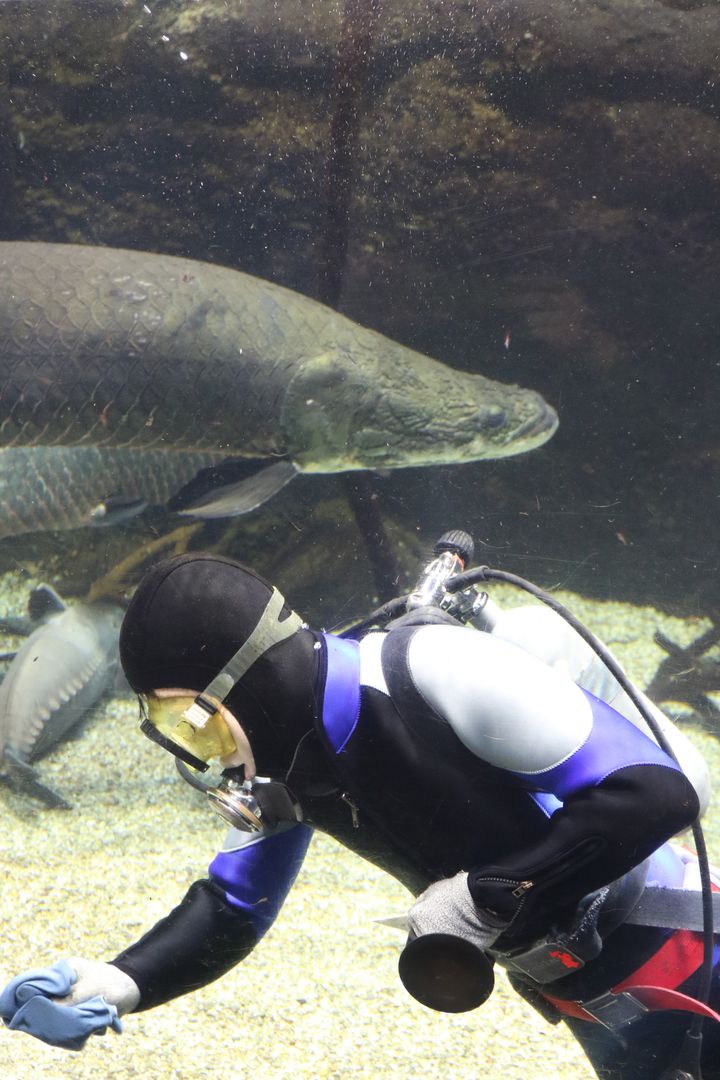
(268, 632)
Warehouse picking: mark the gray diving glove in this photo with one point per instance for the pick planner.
(64, 1004)
(443, 964)
(446, 907)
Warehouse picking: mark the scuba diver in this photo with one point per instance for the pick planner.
(496, 769)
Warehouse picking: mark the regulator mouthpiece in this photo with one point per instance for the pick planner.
(234, 800)
(253, 805)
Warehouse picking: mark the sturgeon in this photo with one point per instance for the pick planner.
(130, 352)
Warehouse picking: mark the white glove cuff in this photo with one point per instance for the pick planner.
(97, 978)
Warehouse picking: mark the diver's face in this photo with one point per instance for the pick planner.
(242, 755)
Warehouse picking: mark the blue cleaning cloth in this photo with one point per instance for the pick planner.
(26, 1005)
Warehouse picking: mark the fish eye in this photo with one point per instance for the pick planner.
(494, 417)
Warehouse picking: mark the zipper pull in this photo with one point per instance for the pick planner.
(353, 809)
(522, 888)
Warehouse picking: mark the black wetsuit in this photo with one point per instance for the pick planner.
(440, 748)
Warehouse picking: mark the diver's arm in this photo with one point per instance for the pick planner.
(622, 795)
(65, 1004)
(602, 831)
(201, 939)
(216, 925)
(220, 919)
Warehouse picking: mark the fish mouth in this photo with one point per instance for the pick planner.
(431, 443)
(539, 428)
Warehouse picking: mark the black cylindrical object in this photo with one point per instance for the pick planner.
(446, 973)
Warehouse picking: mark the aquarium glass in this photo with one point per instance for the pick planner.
(308, 284)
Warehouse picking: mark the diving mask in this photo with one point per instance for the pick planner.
(248, 805)
(194, 734)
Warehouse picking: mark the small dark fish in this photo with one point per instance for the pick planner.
(61, 671)
(116, 509)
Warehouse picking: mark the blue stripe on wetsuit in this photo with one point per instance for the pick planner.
(614, 743)
(341, 701)
(257, 877)
(547, 802)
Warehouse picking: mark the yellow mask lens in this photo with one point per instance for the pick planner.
(210, 740)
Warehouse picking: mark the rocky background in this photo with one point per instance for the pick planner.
(534, 196)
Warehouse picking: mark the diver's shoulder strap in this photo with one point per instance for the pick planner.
(676, 909)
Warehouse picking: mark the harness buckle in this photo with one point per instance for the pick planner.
(545, 962)
(615, 1011)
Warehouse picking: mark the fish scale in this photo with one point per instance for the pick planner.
(44, 488)
(164, 351)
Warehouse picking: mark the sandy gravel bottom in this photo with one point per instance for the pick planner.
(320, 998)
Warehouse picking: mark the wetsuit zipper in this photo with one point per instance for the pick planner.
(520, 889)
(353, 809)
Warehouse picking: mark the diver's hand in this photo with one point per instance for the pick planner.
(63, 1005)
(97, 978)
(447, 907)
